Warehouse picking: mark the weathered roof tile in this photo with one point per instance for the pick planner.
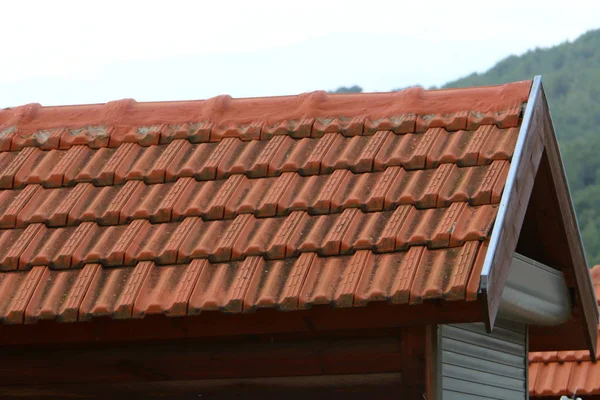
(129, 209)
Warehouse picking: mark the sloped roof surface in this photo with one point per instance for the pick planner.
(557, 373)
(128, 209)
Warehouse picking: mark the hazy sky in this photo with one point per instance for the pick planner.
(59, 52)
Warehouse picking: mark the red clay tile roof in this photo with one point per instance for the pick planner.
(128, 209)
(556, 373)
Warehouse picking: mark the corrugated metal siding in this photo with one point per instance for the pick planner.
(478, 365)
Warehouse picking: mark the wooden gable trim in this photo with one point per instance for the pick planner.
(537, 141)
(513, 205)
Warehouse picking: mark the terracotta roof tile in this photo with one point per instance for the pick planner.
(128, 209)
(556, 373)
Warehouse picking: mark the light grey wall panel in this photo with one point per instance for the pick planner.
(478, 365)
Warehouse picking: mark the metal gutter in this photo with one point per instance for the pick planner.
(535, 294)
(510, 183)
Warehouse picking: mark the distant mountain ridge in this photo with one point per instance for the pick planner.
(571, 78)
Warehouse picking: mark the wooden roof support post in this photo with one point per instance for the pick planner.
(433, 363)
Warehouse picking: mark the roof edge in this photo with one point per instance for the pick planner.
(536, 138)
(510, 181)
(487, 276)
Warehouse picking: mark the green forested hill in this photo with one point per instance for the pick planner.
(571, 77)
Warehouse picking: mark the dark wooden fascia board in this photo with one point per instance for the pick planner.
(536, 137)
(316, 387)
(360, 352)
(586, 296)
(317, 320)
(513, 204)
(433, 362)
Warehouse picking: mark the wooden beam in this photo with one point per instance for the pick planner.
(351, 386)
(513, 205)
(377, 351)
(216, 324)
(433, 363)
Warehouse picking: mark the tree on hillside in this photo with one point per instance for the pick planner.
(348, 89)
